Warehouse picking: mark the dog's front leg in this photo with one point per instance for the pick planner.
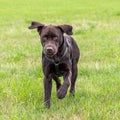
(63, 89)
(47, 90)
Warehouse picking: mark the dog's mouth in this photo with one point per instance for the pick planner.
(50, 51)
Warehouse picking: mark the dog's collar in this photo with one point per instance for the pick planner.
(63, 53)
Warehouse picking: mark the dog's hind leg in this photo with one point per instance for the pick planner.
(74, 76)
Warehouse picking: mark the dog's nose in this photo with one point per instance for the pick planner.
(49, 49)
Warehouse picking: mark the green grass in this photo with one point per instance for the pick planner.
(96, 26)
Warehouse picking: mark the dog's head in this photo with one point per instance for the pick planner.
(51, 36)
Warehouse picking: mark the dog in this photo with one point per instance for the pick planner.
(60, 56)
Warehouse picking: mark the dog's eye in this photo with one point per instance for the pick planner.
(55, 38)
(44, 39)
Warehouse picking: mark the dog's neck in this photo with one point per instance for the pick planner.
(62, 45)
(62, 48)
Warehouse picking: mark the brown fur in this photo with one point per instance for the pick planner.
(59, 58)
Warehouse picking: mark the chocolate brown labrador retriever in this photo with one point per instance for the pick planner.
(60, 56)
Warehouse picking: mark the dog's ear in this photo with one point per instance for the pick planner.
(37, 25)
(66, 29)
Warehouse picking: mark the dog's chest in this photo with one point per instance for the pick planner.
(58, 70)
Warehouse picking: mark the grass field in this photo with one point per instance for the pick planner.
(96, 26)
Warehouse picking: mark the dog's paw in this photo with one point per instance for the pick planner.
(62, 92)
(72, 94)
(47, 104)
